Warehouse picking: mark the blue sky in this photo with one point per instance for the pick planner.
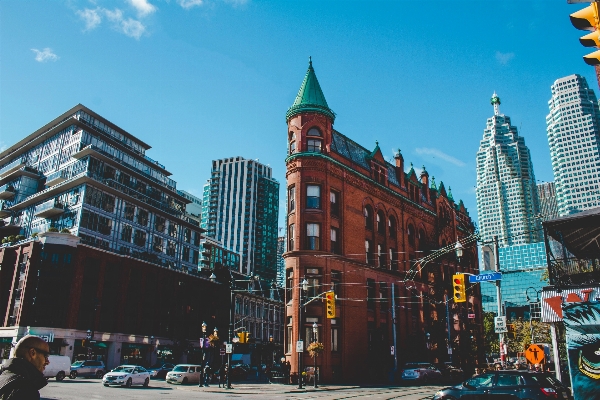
(205, 79)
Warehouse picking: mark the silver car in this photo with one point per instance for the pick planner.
(421, 372)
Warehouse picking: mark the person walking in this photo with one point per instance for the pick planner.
(22, 377)
(207, 375)
(223, 376)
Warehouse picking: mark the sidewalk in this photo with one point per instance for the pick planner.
(272, 388)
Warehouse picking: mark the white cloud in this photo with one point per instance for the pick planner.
(44, 55)
(504, 58)
(91, 18)
(130, 27)
(190, 3)
(143, 7)
(439, 154)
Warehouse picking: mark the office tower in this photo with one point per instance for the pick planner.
(83, 174)
(547, 201)
(280, 261)
(507, 198)
(243, 212)
(573, 135)
(205, 205)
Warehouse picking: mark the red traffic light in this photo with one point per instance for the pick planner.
(457, 281)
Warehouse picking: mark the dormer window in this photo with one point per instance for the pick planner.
(313, 132)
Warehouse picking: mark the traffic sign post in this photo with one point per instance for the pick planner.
(300, 346)
(535, 354)
(229, 348)
(500, 325)
(492, 276)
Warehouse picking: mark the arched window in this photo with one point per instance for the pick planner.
(292, 146)
(368, 217)
(312, 144)
(422, 239)
(392, 226)
(313, 132)
(381, 256)
(411, 235)
(380, 222)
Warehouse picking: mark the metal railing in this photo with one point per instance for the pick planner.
(574, 271)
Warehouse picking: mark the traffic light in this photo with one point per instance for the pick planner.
(460, 295)
(588, 19)
(243, 337)
(330, 304)
(512, 333)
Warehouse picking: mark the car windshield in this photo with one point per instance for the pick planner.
(77, 363)
(127, 370)
(180, 368)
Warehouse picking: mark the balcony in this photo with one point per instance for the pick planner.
(7, 192)
(49, 209)
(56, 178)
(11, 167)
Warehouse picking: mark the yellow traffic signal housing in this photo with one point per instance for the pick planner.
(243, 337)
(330, 304)
(512, 333)
(588, 19)
(460, 290)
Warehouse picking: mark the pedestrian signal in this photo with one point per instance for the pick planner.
(588, 19)
(460, 295)
(330, 304)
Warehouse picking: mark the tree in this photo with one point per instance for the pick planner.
(524, 332)
(490, 336)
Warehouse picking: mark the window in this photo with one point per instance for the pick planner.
(370, 294)
(94, 222)
(289, 342)
(368, 217)
(411, 235)
(393, 259)
(335, 243)
(291, 238)
(129, 211)
(291, 199)
(292, 148)
(142, 217)
(159, 223)
(139, 238)
(334, 203)
(126, 233)
(312, 236)
(313, 145)
(392, 226)
(313, 132)
(335, 335)
(172, 229)
(381, 256)
(380, 222)
(314, 286)
(289, 285)
(187, 235)
(157, 244)
(369, 252)
(171, 248)
(313, 196)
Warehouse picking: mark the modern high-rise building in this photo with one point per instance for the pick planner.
(280, 261)
(205, 205)
(194, 207)
(83, 174)
(243, 212)
(547, 201)
(507, 200)
(573, 126)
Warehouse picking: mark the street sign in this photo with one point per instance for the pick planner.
(534, 354)
(299, 346)
(493, 276)
(500, 325)
(229, 348)
(222, 351)
(392, 350)
(471, 316)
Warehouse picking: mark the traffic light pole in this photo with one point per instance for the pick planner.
(499, 297)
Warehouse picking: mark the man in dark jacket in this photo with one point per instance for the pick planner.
(22, 377)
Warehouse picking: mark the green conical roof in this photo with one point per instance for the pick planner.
(310, 97)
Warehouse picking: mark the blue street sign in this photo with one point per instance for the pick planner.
(493, 276)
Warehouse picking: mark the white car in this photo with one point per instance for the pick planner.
(127, 375)
(184, 373)
(422, 372)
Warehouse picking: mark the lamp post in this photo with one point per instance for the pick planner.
(302, 287)
(201, 383)
(315, 340)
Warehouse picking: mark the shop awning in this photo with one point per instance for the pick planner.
(579, 233)
(100, 344)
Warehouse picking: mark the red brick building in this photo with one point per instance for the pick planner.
(383, 240)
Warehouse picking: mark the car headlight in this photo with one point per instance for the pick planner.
(121, 376)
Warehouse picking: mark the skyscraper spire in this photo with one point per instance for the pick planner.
(496, 103)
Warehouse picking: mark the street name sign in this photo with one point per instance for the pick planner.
(299, 346)
(492, 276)
(500, 324)
(229, 348)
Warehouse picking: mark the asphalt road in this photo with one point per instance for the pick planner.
(91, 389)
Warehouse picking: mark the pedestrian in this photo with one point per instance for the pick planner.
(223, 376)
(207, 375)
(288, 369)
(22, 377)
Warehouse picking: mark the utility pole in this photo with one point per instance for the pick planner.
(499, 296)
(450, 351)
(394, 328)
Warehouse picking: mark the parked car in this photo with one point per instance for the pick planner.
(159, 371)
(87, 368)
(450, 373)
(184, 373)
(507, 385)
(420, 372)
(59, 367)
(127, 375)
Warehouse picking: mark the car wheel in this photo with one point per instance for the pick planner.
(128, 383)
(99, 374)
(184, 381)
(106, 385)
(73, 374)
(147, 382)
(60, 376)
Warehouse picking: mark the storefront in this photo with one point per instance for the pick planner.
(164, 355)
(85, 350)
(135, 354)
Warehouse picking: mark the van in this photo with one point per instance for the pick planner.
(59, 367)
(184, 373)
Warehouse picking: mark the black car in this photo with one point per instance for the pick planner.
(507, 385)
(159, 371)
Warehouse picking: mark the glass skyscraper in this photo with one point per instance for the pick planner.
(573, 135)
(547, 200)
(507, 198)
(243, 211)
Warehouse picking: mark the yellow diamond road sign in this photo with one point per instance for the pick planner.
(534, 354)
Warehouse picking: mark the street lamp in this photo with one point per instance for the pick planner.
(458, 248)
(315, 339)
(201, 383)
(303, 287)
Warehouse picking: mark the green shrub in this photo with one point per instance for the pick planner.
(65, 230)
(53, 229)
